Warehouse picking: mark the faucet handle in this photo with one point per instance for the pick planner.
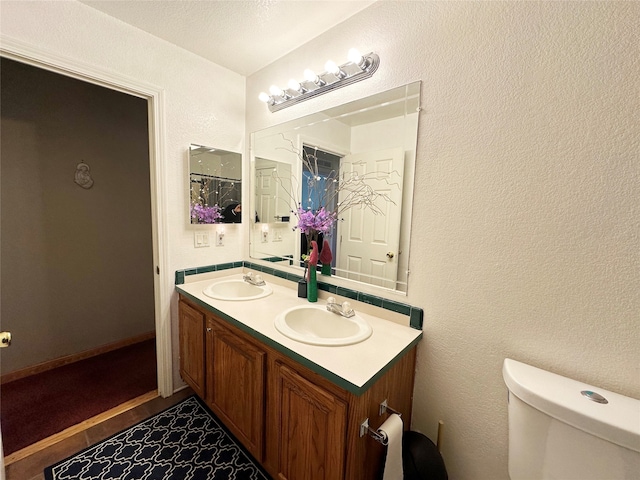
(346, 307)
(331, 301)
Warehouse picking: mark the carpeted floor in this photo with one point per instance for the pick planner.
(38, 406)
(184, 442)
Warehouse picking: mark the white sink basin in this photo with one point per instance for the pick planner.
(236, 290)
(314, 325)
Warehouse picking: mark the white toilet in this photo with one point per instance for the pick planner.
(561, 429)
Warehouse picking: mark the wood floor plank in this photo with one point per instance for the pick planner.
(95, 430)
(80, 427)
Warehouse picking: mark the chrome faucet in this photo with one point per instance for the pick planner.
(257, 280)
(345, 309)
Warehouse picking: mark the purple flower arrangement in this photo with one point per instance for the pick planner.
(205, 214)
(310, 221)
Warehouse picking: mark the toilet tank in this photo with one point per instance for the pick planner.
(562, 429)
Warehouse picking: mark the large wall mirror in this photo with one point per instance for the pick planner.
(356, 161)
(215, 185)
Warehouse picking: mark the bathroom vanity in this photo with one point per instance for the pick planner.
(298, 408)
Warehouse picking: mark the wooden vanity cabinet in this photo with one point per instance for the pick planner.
(235, 373)
(313, 425)
(308, 427)
(192, 347)
(296, 422)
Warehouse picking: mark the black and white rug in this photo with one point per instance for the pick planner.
(184, 442)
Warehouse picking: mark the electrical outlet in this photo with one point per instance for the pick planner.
(219, 239)
(265, 237)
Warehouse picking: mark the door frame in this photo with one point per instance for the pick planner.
(37, 57)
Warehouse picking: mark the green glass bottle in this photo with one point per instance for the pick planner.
(312, 286)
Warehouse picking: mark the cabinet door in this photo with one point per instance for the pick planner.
(191, 326)
(312, 428)
(235, 384)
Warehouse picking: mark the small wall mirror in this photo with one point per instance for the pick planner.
(215, 185)
(367, 145)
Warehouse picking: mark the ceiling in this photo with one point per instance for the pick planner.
(243, 36)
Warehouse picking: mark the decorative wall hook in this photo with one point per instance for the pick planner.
(83, 176)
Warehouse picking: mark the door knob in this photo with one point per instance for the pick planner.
(390, 255)
(5, 339)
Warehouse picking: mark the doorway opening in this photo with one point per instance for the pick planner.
(72, 252)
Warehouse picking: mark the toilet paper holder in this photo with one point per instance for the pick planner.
(377, 435)
(380, 437)
(384, 408)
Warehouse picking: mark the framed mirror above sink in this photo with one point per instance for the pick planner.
(215, 185)
(366, 145)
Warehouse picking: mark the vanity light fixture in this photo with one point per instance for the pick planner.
(359, 67)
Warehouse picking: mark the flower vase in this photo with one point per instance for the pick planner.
(312, 286)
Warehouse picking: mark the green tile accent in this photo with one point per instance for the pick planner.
(280, 274)
(415, 314)
(416, 318)
(397, 307)
(292, 277)
(346, 292)
(207, 269)
(370, 299)
(224, 266)
(327, 287)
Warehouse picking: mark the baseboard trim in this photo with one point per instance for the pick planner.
(66, 360)
(58, 437)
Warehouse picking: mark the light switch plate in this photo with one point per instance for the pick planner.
(201, 239)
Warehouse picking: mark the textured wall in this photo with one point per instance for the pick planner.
(525, 223)
(204, 103)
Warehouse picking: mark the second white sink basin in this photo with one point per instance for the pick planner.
(314, 325)
(236, 290)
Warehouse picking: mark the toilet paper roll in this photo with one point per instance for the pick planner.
(392, 428)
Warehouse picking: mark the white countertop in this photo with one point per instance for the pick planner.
(354, 364)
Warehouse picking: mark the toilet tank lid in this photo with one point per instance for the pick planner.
(617, 421)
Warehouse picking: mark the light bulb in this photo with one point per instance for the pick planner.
(264, 97)
(334, 69)
(275, 91)
(356, 57)
(310, 75)
(331, 67)
(294, 85)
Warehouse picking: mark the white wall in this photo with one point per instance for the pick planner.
(204, 103)
(525, 223)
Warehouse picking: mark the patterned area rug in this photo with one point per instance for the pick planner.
(184, 442)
